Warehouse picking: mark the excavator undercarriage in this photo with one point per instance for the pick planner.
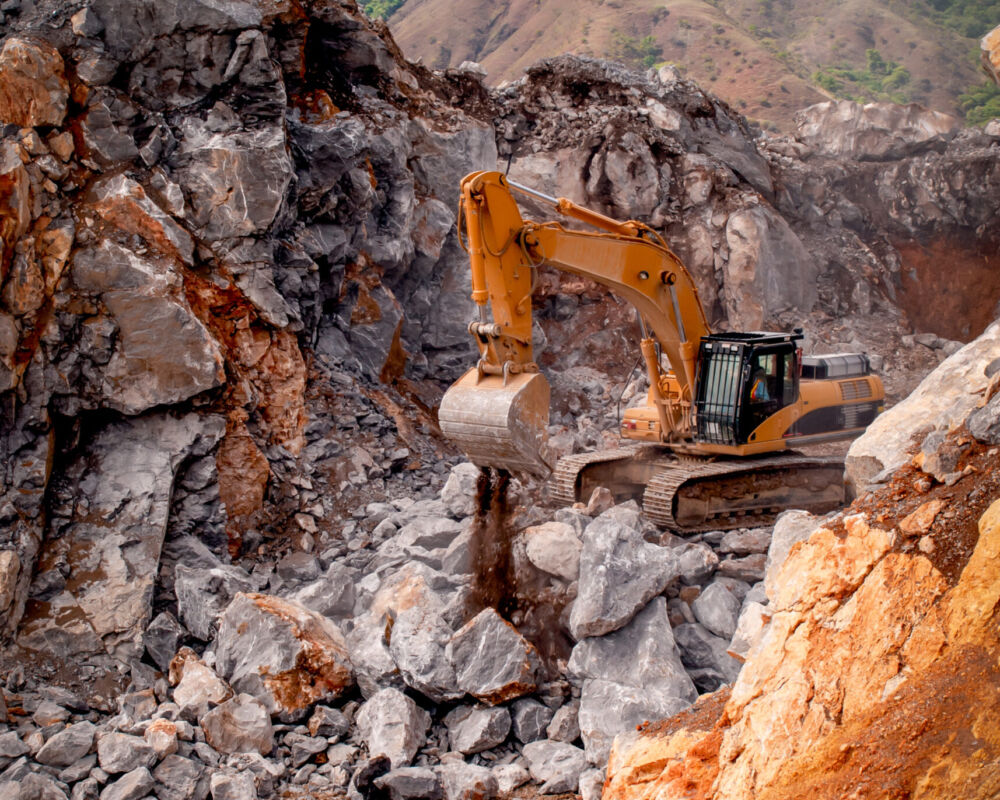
(691, 494)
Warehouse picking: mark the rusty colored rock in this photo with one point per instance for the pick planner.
(281, 652)
(33, 88)
(15, 202)
(876, 678)
(921, 520)
(243, 472)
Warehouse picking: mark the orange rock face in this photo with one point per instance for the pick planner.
(33, 88)
(878, 677)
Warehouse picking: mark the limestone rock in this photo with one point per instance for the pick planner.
(460, 781)
(873, 131)
(790, 527)
(33, 87)
(459, 491)
(493, 662)
(565, 724)
(948, 395)
(557, 766)
(119, 752)
(239, 725)
(748, 630)
(281, 653)
(529, 719)
(230, 786)
(204, 593)
(161, 638)
(179, 778)
(67, 746)
(391, 724)
(417, 644)
(131, 786)
(472, 730)
(200, 687)
(619, 573)
(554, 547)
(717, 609)
(419, 783)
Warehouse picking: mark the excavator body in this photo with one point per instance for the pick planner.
(711, 448)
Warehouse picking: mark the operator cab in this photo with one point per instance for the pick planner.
(744, 378)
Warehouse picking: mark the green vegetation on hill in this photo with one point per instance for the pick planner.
(972, 18)
(880, 80)
(381, 9)
(981, 103)
(640, 53)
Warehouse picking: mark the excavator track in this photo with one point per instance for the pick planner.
(690, 495)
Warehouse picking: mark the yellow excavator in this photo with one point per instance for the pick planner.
(711, 447)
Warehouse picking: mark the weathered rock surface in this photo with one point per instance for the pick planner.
(493, 662)
(472, 730)
(239, 725)
(282, 653)
(391, 724)
(946, 397)
(555, 765)
(619, 573)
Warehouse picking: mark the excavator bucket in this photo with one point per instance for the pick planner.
(499, 425)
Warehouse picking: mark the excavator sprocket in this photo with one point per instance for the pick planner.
(691, 495)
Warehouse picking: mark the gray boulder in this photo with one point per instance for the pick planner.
(410, 783)
(492, 661)
(697, 562)
(34, 786)
(984, 423)
(417, 645)
(240, 725)
(718, 609)
(619, 572)
(790, 527)
(460, 781)
(391, 724)
(332, 594)
(179, 778)
(565, 724)
(162, 638)
(748, 630)
(67, 746)
(131, 786)
(119, 752)
(472, 730)
(459, 491)
(744, 542)
(203, 594)
(233, 786)
(529, 719)
(701, 649)
(557, 766)
(554, 548)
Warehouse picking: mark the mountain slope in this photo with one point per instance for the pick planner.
(766, 57)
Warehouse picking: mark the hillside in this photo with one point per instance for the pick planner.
(768, 58)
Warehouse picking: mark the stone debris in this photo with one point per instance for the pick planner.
(240, 725)
(472, 730)
(557, 766)
(391, 724)
(493, 662)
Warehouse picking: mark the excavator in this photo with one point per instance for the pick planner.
(711, 448)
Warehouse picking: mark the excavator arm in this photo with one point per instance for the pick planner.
(498, 411)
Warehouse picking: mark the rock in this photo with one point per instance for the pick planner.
(410, 782)
(466, 782)
(565, 724)
(162, 737)
(80, 770)
(741, 543)
(328, 722)
(417, 644)
(641, 655)
(701, 649)
(948, 395)
(35, 786)
(48, 713)
(873, 131)
(763, 252)
(88, 789)
(374, 667)
(239, 725)
(33, 87)
(282, 653)
(67, 746)
(230, 786)
(236, 181)
(608, 709)
(472, 730)
(492, 661)
(199, 688)
(748, 630)
(119, 752)
(298, 567)
(131, 786)
(365, 775)
(529, 719)
(790, 527)
(984, 423)
(717, 609)
(332, 595)
(557, 766)
(509, 777)
(697, 563)
(748, 569)
(179, 778)
(391, 724)
(554, 548)
(460, 490)
(304, 748)
(203, 594)
(126, 471)
(161, 638)
(619, 573)
(11, 746)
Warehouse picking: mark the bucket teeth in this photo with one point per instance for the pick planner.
(498, 424)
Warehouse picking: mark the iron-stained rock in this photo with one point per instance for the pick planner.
(418, 783)
(493, 662)
(239, 725)
(33, 87)
(281, 652)
(461, 781)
